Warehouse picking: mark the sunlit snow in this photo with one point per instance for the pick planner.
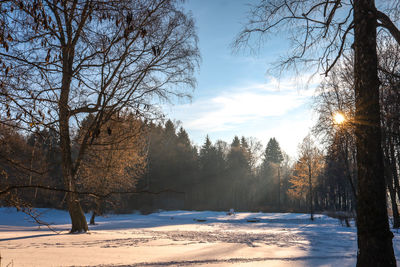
(180, 238)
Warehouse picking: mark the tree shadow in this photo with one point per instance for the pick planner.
(27, 237)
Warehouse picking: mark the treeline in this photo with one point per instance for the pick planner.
(215, 176)
(134, 165)
(27, 161)
(240, 175)
(131, 164)
(115, 160)
(167, 170)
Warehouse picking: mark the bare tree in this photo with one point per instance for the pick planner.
(321, 32)
(306, 172)
(389, 70)
(335, 97)
(63, 60)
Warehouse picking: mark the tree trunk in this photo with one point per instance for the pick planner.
(97, 210)
(348, 173)
(78, 219)
(279, 188)
(394, 168)
(374, 237)
(92, 218)
(310, 193)
(395, 210)
(388, 162)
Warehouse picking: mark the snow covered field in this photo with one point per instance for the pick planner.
(180, 238)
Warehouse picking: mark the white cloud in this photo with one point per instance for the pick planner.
(259, 110)
(289, 132)
(224, 111)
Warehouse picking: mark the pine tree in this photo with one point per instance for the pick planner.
(239, 172)
(271, 167)
(186, 164)
(207, 159)
(273, 152)
(209, 175)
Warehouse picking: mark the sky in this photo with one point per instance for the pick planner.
(235, 95)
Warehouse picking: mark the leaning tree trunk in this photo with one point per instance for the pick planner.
(374, 237)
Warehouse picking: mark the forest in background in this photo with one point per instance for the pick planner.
(134, 164)
(169, 172)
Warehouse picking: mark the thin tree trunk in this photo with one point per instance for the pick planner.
(388, 162)
(310, 193)
(348, 173)
(97, 210)
(374, 236)
(394, 168)
(93, 217)
(279, 188)
(396, 217)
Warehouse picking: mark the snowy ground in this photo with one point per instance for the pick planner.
(180, 238)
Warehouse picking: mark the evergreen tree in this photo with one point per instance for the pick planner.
(221, 148)
(270, 171)
(207, 159)
(235, 142)
(273, 152)
(239, 172)
(183, 137)
(209, 174)
(169, 131)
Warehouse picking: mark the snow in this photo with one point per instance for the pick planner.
(179, 238)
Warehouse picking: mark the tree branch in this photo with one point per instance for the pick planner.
(94, 194)
(387, 23)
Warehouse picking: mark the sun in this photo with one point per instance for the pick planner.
(339, 118)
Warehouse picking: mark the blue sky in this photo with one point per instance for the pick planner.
(234, 93)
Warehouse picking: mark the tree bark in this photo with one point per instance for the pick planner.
(310, 192)
(78, 218)
(92, 222)
(388, 165)
(394, 168)
(279, 188)
(348, 172)
(395, 210)
(374, 236)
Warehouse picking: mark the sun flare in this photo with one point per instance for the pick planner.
(339, 118)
